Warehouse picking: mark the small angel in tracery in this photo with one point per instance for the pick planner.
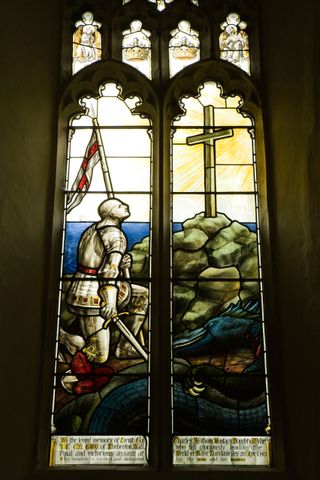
(234, 42)
(86, 41)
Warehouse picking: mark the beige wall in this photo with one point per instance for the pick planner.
(30, 52)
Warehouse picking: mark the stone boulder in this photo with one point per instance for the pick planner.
(249, 267)
(189, 264)
(232, 245)
(191, 239)
(194, 239)
(209, 225)
(183, 294)
(249, 290)
(217, 288)
(229, 254)
(140, 259)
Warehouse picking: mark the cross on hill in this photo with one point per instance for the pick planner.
(208, 138)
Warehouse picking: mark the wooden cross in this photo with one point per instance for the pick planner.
(208, 138)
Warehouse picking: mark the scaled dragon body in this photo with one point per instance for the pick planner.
(207, 400)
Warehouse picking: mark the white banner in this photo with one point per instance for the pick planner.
(221, 450)
(98, 450)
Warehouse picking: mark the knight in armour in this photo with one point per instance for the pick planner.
(100, 290)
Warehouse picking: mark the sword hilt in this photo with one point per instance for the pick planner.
(114, 318)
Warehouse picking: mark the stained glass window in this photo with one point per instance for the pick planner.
(234, 42)
(184, 47)
(116, 209)
(105, 273)
(136, 48)
(220, 392)
(86, 42)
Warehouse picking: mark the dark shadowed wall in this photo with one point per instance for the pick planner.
(29, 86)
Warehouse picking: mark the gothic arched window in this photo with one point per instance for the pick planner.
(161, 330)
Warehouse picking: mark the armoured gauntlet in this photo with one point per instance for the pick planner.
(108, 304)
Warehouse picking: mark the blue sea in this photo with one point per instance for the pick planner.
(135, 232)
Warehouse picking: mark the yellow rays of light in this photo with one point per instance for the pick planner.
(210, 94)
(235, 178)
(188, 168)
(194, 113)
(236, 149)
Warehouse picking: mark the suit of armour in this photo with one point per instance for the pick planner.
(101, 245)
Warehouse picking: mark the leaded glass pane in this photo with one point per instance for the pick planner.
(101, 401)
(136, 48)
(234, 42)
(161, 4)
(220, 391)
(86, 42)
(184, 47)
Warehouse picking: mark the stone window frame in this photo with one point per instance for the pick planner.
(159, 101)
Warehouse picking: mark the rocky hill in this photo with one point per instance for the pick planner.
(215, 263)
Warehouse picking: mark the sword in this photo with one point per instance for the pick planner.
(126, 332)
(126, 274)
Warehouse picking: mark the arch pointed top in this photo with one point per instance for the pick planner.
(233, 80)
(89, 80)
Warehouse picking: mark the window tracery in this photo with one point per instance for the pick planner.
(211, 155)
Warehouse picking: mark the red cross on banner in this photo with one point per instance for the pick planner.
(83, 179)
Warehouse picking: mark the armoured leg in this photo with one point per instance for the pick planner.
(97, 340)
(73, 343)
(137, 307)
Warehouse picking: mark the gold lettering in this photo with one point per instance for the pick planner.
(78, 446)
